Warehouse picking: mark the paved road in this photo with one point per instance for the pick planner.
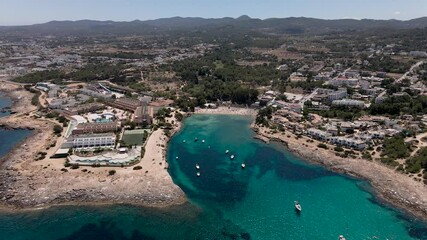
(416, 65)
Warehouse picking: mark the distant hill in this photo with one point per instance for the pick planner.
(291, 25)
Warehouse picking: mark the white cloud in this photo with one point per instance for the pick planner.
(397, 13)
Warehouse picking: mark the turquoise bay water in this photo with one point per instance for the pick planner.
(228, 202)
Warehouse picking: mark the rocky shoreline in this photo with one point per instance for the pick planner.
(29, 184)
(389, 186)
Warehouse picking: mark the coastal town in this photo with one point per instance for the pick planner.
(102, 110)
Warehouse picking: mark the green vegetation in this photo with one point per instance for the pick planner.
(389, 161)
(111, 172)
(74, 166)
(418, 162)
(366, 155)
(51, 75)
(179, 117)
(322, 145)
(97, 71)
(35, 99)
(134, 137)
(57, 129)
(395, 148)
(400, 105)
(387, 64)
(217, 76)
(124, 55)
(345, 113)
(263, 116)
(91, 72)
(338, 149)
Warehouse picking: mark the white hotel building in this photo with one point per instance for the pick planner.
(104, 140)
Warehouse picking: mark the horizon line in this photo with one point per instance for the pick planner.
(244, 15)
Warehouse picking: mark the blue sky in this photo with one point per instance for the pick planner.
(19, 12)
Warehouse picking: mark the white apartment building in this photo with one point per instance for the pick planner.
(337, 95)
(349, 103)
(349, 142)
(319, 134)
(104, 140)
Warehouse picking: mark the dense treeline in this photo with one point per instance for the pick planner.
(217, 77)
(396, 105)
(100, 71)
(221, 64)
(345, 113)
(211, 91)
(387, 64)
(90, 72)
(124, 55)
(42, 76)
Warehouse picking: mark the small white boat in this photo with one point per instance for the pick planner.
(297, 206)
(176, 157)
(232, 156)
(197, 166)
(183, 141)
(198, 174)
(243, 165)
(203, 141)
(226, 151)
(341, 237)
(195, 139)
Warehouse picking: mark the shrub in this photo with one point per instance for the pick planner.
(338, 149)
(111, 172)
(366, 155)
(57, 129)
(389, 161)
(74, 166)
(137, 168)
(322, 145)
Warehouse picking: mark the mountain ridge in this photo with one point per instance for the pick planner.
(290, 25)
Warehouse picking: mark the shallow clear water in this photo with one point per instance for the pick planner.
(228, 202)
(4, 102)
(9, 138)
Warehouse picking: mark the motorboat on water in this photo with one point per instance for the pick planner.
(243, 165)
(196, 139)
(203, 141)
(341, 237)
(197, 166)
(297, 206)
(232, 156)
(198, 174)
(226, 151)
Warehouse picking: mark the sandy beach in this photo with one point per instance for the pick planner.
(227, 111)
(27, 183)
(390, 186)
